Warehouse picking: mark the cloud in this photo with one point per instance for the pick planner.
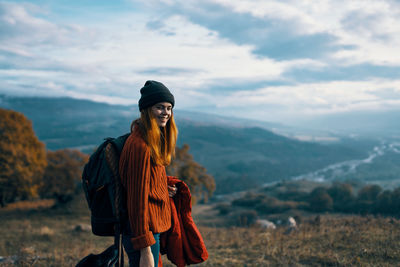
(168, 71)
(335, 72)
(270, 36)
(319, 98)
(353, 32)
(111, 63)
(225, 87)
(283, 47)
(388, 94)
(155, 24)
(257, 58)
(21, 24)
(367, 25)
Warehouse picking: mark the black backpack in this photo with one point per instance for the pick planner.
(103, 190)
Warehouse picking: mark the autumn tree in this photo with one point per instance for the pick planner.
(395, 199)
(62, 174)
(22, 158)
(342, 196)
(367, 198)
(369, 193)
(384, 203)
(201, 184)
(320, 200)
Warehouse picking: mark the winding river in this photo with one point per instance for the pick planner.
(340, 169)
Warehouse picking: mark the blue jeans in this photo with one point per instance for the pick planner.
(134, 255)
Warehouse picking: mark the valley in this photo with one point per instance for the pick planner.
(239, 154)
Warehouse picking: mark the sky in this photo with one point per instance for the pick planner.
(266, 60)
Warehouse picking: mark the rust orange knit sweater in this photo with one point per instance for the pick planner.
(146, 189)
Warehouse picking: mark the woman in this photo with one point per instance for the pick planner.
(146, 152)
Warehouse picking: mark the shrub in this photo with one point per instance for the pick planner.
(246, 218)
(320, 200)
(250, 200)
(293, 195)
(363, 207)
(62, 174)
(369, 193)
(367, 199)
(342, 196)
(224, 208)
(396, 201)
(384, 203)
(273, 205)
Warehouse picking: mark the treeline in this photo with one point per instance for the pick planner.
(200, 183)
(371, 199)
(339, 197)
(28, 171)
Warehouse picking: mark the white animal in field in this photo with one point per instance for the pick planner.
(292, 222)
(292, 226)
(266, 224)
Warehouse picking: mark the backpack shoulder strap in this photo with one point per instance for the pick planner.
(119, 143)
(112, 153)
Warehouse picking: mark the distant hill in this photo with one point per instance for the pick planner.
(238, 157)
(72, 123)
(242, 158)
(372, 123)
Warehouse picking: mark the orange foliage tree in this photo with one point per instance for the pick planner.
(22, 158)
(62, 174)
(183, 166)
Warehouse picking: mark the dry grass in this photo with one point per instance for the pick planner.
(49, 238)
(29, 205)
(348, 241)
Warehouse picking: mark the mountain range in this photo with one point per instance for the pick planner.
(239, 153)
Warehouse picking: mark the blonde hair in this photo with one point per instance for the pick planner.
(161, 141)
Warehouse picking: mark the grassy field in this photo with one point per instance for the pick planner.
(57, 237)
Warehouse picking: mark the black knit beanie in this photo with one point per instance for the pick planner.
(154, 92)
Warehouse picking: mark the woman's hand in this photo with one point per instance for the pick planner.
(172, 190)
(146, 258)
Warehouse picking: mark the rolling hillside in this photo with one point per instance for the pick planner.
(238, 157)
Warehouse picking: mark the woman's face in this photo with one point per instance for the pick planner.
(162, 113)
